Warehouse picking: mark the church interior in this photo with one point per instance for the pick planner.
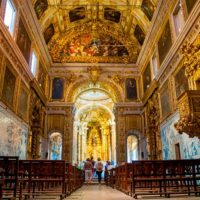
(112, 79)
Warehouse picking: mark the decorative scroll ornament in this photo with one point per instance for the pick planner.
(94, 73)
(191, 56)
(189, 109)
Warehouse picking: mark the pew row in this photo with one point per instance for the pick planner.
(162, 178)
(40, 178)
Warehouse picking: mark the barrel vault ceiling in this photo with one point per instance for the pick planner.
(94, 31)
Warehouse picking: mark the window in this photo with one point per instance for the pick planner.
(154, 65)
(33, 64)
(178, 19)
(9, 18)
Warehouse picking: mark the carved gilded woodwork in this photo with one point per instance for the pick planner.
(36, 119)
(153, 121)
(189, 110)
(94, 73)
(191, 56)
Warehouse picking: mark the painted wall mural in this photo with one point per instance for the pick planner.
(148, 8)
(77, 14)
(48, 33)
(86, 46)
(13, 135)
(23, 41)
(40, 7)
(181, 82)
(139, 34)
(8, 86)
(190, 4)
(189, 147)
(57, 88)
(112, 15)
(146, 77)
(131, 89)
(164, 43)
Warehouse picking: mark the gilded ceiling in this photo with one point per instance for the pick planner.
(94, 31)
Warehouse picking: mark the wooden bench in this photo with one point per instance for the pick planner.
(159, 177)
(9, 167)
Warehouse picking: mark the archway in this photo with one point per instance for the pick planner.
(94, 127)
(55, 146)
(132, 148)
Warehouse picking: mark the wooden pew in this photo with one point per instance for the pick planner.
(159, 177)
(9, 167)
(38, 177)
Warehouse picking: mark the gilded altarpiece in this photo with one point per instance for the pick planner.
(36, 118)
(153, 134)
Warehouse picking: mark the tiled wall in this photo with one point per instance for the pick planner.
(13, 135)
(189, 147)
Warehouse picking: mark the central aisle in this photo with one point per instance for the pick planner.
(102, 192)
(98, 192)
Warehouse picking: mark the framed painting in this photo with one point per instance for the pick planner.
(48, 33)
(139, 34)
(181, 82)
(23, 41)
(40, 7)
(112, 15)
(148, 8)
(9, 84)
(146, 77)
(23, 102)
(165, 101)
(164, 43)
(131, 89)
(77, 14)
(190, 4)
(57, 88)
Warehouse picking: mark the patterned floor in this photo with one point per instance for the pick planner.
(102, 192)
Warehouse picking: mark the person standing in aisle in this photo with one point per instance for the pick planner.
(99, 169)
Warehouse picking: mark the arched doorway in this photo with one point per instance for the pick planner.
(55, 146)
(94, 128)
(132, 148)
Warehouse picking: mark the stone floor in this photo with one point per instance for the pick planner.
(102, 192)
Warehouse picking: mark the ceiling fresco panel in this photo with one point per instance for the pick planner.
(190, 4)
(77, 14)
(112, 15)
(139, 34)
(148, 8)
(48, 33)
(87, 45)
(40, 7)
